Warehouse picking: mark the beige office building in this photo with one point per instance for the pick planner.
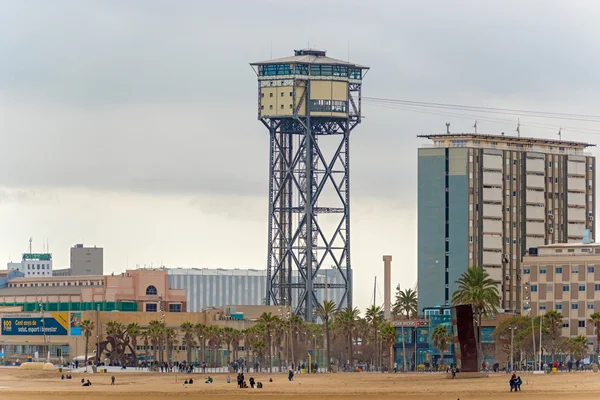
(564, 277)
(486, 199)
(87, 260)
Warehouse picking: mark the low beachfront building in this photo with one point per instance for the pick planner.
(564, 277)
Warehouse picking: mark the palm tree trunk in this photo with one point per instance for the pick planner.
(87, 341)
(270, 352)
(478, 332)
(328, 349)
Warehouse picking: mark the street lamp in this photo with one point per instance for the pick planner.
(315, 347)
(512, 338)
(44, 330)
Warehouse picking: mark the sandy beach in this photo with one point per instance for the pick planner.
(16, 384)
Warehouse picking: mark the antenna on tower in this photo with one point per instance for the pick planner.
(447, 128)
(518, 127)
(348, 51)
(30, 240)
(475, 126)
(559, 133)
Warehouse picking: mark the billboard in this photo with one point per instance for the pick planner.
(75, 329)
(35, 324)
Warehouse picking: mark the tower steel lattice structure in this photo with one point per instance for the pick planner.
(310, 103)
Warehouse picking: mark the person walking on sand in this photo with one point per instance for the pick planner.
(112, 380)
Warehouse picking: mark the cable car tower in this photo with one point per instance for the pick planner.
(307, 102)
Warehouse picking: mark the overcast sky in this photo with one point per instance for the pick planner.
(132, 125)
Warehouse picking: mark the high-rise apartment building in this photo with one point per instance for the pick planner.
(484, 200)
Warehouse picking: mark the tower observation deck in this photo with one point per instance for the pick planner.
(309, 103)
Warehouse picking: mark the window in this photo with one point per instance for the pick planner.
(291, 94)
(559, 270)
(575, 269)
(565, 288)
(542, 270)
(282, 106)
(271, 107)
(558, 307)
(174, 307)
(582, 288)
(597, 287)
(549, 287)
(590, 306)
(270, 94)
(534, 288)
(151, 307)
(526, 271)
(565, 324)
(582, 324)
(151, 291)
(328, 106)
(542, 307)
(525, 308)
(574, 306)
(281, 94)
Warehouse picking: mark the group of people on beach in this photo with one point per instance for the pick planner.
(515, 383)
(243, 385)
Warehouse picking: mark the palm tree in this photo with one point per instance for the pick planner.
(388, 338)
(440, 338)
(374, 317)
(595, 320)
(578, 347)
(477, 288)
(199, 330)
(170, 339)
(346, 322)
(268, 320)
(157, 332)
(87, 327)
(188, 339)
(326, 311)
(296, 323)
(553, 322)
(406, 302)
(146, 337)
(133, 332)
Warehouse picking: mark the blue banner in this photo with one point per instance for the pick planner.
(54, 324)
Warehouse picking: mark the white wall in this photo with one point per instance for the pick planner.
(533, 212)
(492, 178)
(491, 257)
(575, 183)
(577, 168)
(576, 199)
(492, 161)
(492, 242)
(576, 214)
(492, 210)
(535, 181)
(535, 165)
(492, 194)
(492, 226)
(535, 227)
